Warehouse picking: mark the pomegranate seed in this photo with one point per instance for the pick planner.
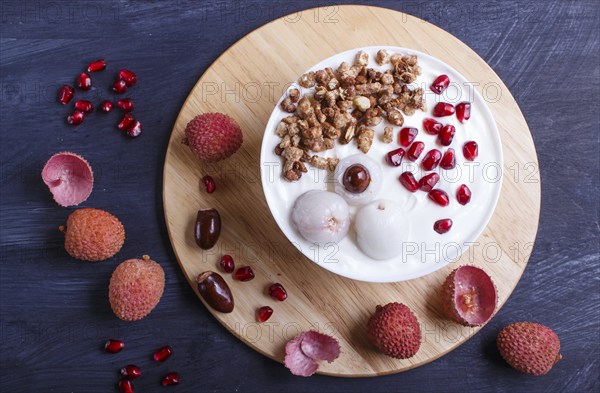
(131, 372)
(263, 314)
(163, 353)
(126, 123)
(442, 109)
(209, 184)
(440, 84)
(76, 118)
(106, 106)
(442, 226)
(407, 135)
(448, 160)
(227, 264)
(395, 156)
(470, 150)
(65, 94)
(125, 386)
(440, 197)
(171, 379)
(447, 134)
(463, 111)
(97, 65)
(463, 195)
(114, 346)
(119, 87)
(432, 126)
(84, 106)
(84, 82)
(278, 292)
(431, 159)
(427, 182)
(409, 182)
(135, 130)
(128, 77)
(244, 273)
(125, 104)
(415, 150)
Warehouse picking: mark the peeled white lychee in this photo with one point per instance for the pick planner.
(375, 174)
(380, 229)
(321, 217)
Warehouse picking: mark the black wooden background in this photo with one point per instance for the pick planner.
(55, 313)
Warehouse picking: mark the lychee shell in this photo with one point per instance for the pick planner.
(213, 136)
(529, 347)
(135, 288)
(395, 331)
(93, 234)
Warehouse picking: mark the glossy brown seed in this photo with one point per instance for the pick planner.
(207, 228)
(356, 179)
(215, 291)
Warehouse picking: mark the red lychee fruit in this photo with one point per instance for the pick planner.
(395, 331)
(213, 136)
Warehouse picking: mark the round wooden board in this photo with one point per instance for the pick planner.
(245, 82)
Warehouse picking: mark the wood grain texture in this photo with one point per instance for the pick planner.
(319, 299)
(53, 311)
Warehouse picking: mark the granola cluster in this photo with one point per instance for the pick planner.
(344, 106)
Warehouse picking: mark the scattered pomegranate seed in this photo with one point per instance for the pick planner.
(409, 182)
(171, 379)
(427, 182)
(131, 371)
(227, 264)
(126, 123)
(415, 150)
(135, 130)
(65, 94)
(278, 292)
(440, 197)
(407, 135)
(463, 111)
(106, 106)
(125, 104)
(470, 150)
(263, 314)
(448, 160)
(163, 353)
(84, 106)
(447, 134)
(442, 226)
(119, 87)
(395, 156)
(442, 109)
(114, 346)
(209, 184)
(431, 159)
(125, 386)
(84, 82)
(76, 118)
(440, 84)
(244, 273)
(97, 65)
(128, 77)
(432, 126)
(463, 195)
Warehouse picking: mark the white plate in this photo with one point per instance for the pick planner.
(424, 250)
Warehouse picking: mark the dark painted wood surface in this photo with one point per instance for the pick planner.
(54, 310)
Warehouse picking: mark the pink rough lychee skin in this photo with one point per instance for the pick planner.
(529, 347)
(395, 331)
(469, 296)
(135, 288)
(213, 136)
(69, 178)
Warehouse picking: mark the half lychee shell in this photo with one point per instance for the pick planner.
(469, 296)
(69, 178)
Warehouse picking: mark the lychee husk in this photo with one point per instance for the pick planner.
(394, 330)
(93, 234)
(213, 136)
(529, 347)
